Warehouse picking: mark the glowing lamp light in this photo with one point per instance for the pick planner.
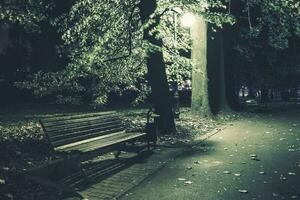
(187, 20)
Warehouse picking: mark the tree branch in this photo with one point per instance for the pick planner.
(249, 15)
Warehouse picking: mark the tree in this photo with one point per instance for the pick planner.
(263, 32)
(105, 41)
(200, 98)
(156, 69)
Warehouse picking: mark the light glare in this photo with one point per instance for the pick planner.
(187, 20)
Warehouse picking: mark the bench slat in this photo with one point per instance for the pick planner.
(72, 145)
(77, 116)
(77, 121)
(83, 137)
(110, 141)
(79, 129)
(101, 142)
(87, 132)
(79, 126)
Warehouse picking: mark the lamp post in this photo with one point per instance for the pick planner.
(186, 20)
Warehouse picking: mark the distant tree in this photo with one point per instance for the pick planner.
(264, 32)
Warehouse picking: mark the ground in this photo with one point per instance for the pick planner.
(257, 157)
(247, 156)
(24, 146)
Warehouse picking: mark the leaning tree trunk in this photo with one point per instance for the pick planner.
(200, 98)
(157, 71)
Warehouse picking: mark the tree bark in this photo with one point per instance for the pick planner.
(157, 77)
(264, 94)
(223, 103)
(200, 98)
(231, 83)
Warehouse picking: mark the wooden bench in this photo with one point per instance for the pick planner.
(88, 132)
(80, 137)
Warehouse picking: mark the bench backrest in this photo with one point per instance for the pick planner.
(67, 129)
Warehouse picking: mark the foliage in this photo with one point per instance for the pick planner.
(21, 131)
(267, 43)
(104, 45)
(27, 13)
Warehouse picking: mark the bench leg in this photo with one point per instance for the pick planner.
(148, 145)
(132, 142)
(117, 153)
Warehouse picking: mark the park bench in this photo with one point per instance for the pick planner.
(83, 133)
(79, 137)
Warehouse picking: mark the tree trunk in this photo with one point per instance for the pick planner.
(264, 94)
(157, 77)
(200, 99)
(231, 85)
(222, 84)
(251, 94)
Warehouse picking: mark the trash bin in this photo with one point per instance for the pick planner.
(152, 125)
(176, 104)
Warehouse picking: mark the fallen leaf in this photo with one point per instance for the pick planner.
(5, 168)
(243, 191)
(188, 182)
(2, 181)
(29, 163)
(291, 149)
(10, 196)
(275, 195)
(282, 177)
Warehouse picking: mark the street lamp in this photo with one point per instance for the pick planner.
(188, 20)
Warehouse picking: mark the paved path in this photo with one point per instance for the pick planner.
(131, 174)
(260, 156)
